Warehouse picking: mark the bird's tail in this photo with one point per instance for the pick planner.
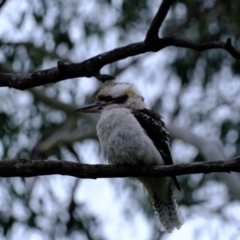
(164, 203)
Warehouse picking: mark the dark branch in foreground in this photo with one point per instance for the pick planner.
(2, 3)
(30, 168)
(92, 66)
(157, 21)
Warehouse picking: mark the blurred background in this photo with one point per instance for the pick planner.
(197, 93)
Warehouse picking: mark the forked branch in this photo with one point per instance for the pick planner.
(92, 66)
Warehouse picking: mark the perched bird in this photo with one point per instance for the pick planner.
(129, 133)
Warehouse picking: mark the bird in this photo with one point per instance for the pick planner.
(131, 134)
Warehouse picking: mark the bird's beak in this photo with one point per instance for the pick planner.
(92, 108)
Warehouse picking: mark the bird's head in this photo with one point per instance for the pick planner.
(116, 95)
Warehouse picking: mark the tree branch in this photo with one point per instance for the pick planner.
(30, 168)
(2, 3)
(157, 21)
(92, 66)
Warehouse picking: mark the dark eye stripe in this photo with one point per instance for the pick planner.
(118, 100)
(106, 98)
(121, 99)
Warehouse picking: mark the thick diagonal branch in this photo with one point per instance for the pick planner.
(30, 168)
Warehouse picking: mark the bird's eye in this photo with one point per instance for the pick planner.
(108, 98)
(121, 100)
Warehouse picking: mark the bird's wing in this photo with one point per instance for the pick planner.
(156, 130)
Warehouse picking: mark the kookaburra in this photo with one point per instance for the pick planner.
(129, 133)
